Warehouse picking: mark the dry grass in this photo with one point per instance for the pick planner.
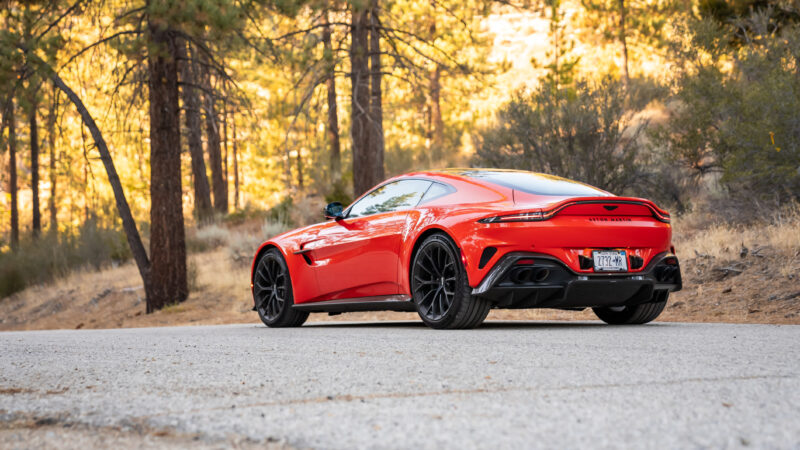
(721, 283)
(726, 241)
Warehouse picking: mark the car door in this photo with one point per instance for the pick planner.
(357, 256)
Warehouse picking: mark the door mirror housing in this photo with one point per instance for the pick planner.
(334, 211)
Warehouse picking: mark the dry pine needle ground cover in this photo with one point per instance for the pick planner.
(731, 274)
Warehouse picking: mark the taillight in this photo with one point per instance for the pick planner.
(533, 216)
(661, 216)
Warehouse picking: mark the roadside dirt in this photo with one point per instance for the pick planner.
(760, 286)
(54, 432)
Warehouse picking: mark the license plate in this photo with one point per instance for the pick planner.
(610, 261)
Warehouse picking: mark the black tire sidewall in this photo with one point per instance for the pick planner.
(288, 301)
(462, 285)
(634, 314)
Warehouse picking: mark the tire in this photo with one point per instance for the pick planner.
(272, 292)
(635, 314)
(440, 288)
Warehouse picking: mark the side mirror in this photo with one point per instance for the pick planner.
(334, 211)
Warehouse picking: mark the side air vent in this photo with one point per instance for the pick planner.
(585, 263)
(486, 256)
(636, 262)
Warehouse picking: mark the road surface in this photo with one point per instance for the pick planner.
(401, 385)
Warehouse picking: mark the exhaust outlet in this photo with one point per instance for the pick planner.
(541, 275)
(521, 276)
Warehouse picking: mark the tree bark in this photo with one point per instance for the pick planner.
(436, 123)
(10, 121)
(623, 37)
(214, 151)
(235, 167)
(360, 99)
(333, 113)
(167, 240)
(225, 146)
(33, 128)
(128, 224)
(376, 97)
(202, 192)
(53, 176)
(299, 162)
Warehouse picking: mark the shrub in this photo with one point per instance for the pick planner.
(242, 246)
(738, 106)
(207, 238)
(583, 133)
(51, 256)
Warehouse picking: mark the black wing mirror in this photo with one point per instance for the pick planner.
(334, 211)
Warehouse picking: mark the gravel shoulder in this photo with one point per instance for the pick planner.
(400, 385)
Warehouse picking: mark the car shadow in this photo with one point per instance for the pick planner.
(488, 325)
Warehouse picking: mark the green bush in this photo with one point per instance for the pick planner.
(338, 193)
(583, 133)
(738, 106)
(50, 256)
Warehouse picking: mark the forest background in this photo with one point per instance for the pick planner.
(148, 130)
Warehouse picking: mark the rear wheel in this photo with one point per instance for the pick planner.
(272, 292)
(635, 314)
(440, 287)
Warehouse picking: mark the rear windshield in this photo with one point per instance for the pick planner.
(537, 183)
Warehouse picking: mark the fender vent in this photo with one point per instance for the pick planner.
(486, 256)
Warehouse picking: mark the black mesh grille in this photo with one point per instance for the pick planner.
(486, 256)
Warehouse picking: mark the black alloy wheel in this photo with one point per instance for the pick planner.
(272, 292)
(440, 287)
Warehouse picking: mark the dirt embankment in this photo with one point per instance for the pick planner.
(731, 274)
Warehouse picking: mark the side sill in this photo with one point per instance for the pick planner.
(377, 303)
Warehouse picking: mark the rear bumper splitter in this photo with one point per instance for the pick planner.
(515, 282)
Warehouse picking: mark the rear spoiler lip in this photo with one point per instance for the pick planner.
(658, 213)
(548, 211)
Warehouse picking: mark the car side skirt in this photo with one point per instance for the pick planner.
(401, 303)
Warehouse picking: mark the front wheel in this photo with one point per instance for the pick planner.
(440, 288)
(635, 314)
(272, 292)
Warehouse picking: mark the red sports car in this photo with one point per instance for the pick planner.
(453, 244)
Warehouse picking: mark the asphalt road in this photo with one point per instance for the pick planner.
(400, 385)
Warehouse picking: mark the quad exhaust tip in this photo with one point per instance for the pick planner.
(530, 275)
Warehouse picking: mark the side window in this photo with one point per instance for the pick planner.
(403, 194)
(435, 191)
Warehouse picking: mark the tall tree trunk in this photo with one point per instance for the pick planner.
(299, 162)
(436, 123)
(623, 38)
(225, 146)
(202, 192)
(360, 98)
(235, 166)
(214, 151)
(53, 176)
(128, 224)
(10, 121)
(333, 113)
(167, 235)
(36, 223)
(376, 97)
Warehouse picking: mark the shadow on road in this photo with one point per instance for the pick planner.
(492, 324)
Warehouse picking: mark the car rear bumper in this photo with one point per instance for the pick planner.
(545, 282)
